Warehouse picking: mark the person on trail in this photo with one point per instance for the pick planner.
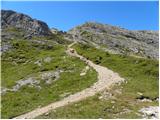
(72, 50)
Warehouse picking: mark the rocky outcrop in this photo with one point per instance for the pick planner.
(150, 112)
(31, 27)
(117, 40)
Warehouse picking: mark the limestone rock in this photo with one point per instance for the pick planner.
(117, 40)
(31, 27)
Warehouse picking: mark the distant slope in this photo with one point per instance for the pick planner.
(31, 27)
(118, 40)
(18, 26)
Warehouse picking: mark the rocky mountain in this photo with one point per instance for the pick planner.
(109, 38)
(18, 26)
(117, 40)
(30, 27)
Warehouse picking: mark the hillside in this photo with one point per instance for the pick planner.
(21, 21)
(47, 73)
(118, 40)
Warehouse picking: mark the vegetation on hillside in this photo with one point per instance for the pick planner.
(19, 64)
(141, 83)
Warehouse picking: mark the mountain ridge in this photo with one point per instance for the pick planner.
(119, 40)
(22, 21)
(110, 38)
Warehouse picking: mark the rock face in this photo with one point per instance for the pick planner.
(117, 40)
(31, 27)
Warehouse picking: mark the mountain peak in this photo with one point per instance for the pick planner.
(117, 39)
(31, 26)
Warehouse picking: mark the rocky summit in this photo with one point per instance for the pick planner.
(117, 40)
(31, 27)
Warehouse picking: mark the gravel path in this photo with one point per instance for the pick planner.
(106, 78)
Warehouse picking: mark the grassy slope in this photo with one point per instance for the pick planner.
(141, 75)
(16, 67)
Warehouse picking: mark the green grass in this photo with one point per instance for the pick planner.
(93, 108)
(141, 76)
(14, 32)
(15, 67)
(19, 62)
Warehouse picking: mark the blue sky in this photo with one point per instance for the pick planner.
(135, 15)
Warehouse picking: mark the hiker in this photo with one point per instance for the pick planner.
(72, 50)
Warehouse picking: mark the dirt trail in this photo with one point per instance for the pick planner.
(106, 78)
